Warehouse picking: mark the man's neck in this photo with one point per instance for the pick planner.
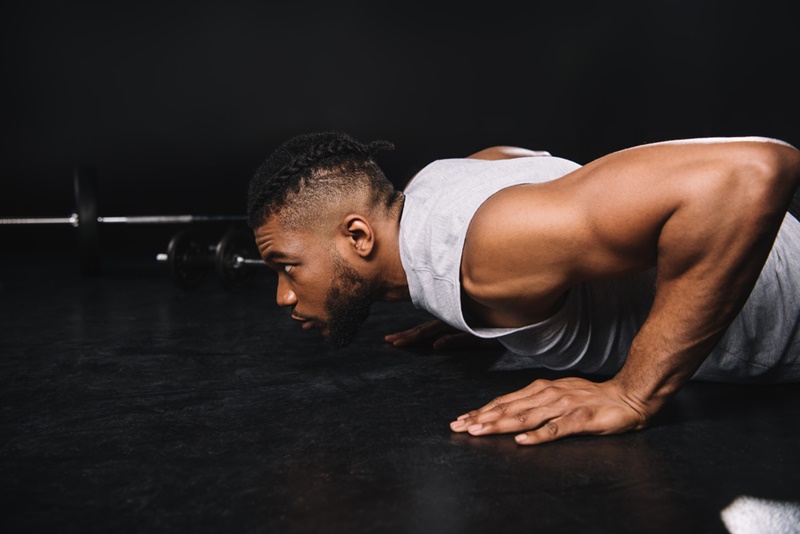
(393, 285)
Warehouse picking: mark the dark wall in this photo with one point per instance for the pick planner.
(176, 104)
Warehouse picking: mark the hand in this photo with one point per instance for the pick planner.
(550, 410)
(443, 336)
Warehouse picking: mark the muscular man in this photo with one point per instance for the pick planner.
(646, 267)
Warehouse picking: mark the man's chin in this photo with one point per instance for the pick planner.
(325, 332)
(337, 339)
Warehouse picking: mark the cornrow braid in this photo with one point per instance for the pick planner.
(304, 160)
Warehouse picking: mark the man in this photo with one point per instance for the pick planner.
(649, 266)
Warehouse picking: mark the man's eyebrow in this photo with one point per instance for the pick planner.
(273, 255)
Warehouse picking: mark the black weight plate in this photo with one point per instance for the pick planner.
(235, 242)
(85, 180)
(188, 258)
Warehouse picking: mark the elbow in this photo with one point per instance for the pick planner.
(781, 162)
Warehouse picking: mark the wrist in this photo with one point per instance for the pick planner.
(646, 402)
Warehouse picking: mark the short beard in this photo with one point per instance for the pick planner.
(347, 303)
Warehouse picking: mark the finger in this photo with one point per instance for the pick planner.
(418, 333)
(408, 336)
(400, 335)
(400, 339)
(519, 416)
(419, 328)
(494, 409)
(540, 388)
(503, 417)
(551, 430)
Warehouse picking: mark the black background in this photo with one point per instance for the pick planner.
(129, 405)
(177, 103)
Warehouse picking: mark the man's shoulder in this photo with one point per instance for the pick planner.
(433, 173)
(461, 174)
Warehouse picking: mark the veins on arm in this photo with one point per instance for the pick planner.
(711, 250)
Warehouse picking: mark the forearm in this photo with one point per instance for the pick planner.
(710, 257)
(691, 312)
(657, 367)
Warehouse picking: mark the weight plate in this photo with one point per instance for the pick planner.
(235, 243)
(188, 258)
(85, 180)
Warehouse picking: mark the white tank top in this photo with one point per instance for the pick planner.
(593, 329)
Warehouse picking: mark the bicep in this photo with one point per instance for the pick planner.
(675, 204)
(679, 207)
(592, 223)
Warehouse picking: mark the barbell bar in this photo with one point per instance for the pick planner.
(73, 219)
(87, 221)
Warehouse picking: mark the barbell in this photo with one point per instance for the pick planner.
(189, 258)
(85, 218)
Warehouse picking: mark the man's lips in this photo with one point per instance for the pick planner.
(306, 324)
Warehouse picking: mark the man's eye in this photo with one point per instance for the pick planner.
(287, 268)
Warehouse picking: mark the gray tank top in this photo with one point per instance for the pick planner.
(593, 329)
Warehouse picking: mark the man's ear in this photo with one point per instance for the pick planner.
(359, 234)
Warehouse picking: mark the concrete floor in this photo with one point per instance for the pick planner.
(129, 405)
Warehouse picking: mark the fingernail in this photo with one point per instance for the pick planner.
(521, 437)
(462, 417)
(475, 428)
(457, 424)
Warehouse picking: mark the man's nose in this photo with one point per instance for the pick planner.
(285, 296)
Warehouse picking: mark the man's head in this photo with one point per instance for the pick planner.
(316, 206)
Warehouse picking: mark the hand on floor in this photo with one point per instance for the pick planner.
(547, 410)
(442, 335)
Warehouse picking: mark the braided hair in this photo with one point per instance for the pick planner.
(311, 169)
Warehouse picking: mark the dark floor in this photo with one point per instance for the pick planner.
(129, 405)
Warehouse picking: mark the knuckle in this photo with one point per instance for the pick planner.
(496, 401)
(500, 408)
(551, 388)
(551, 428)
(581, 413)
(539, 383)
(548, 393)
(566, 400)
(522, 416)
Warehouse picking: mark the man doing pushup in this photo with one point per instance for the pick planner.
(647, 267)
